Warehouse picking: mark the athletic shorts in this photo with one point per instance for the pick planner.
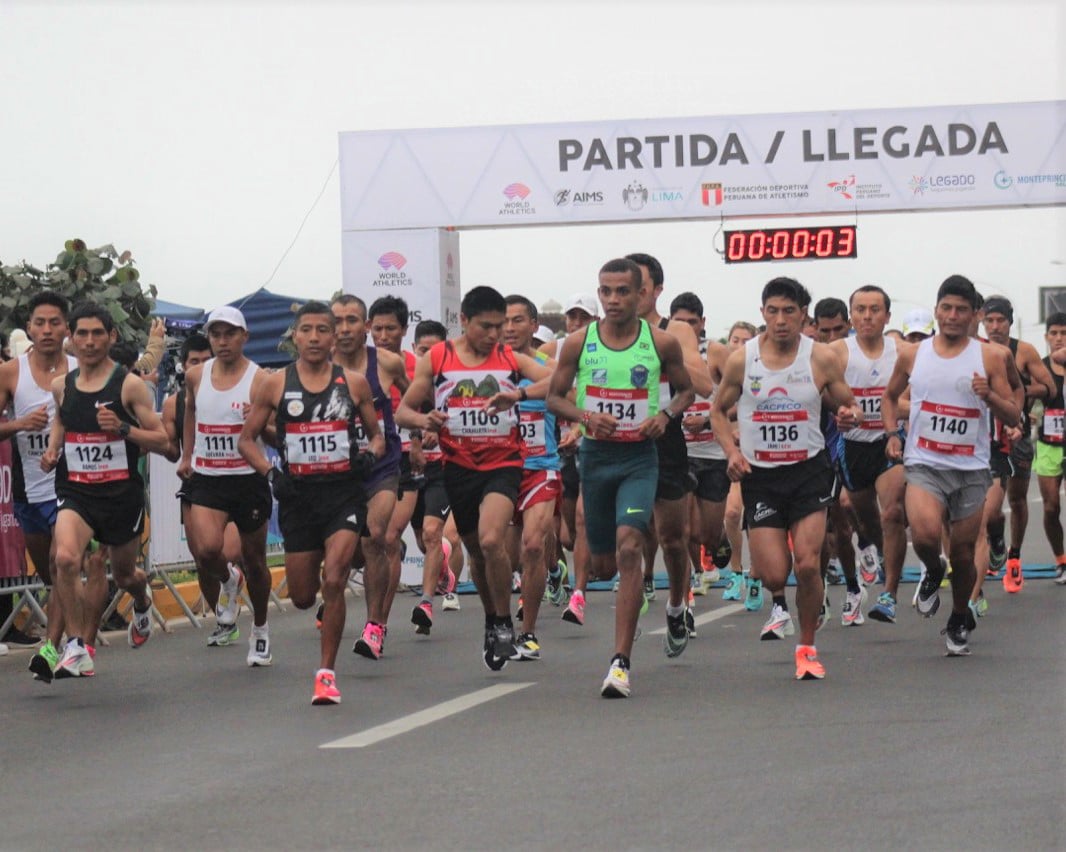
(432, 497)
(245, 498)
(36, 518)
(1048, 460)
(618, 480)
(1001, 466)
(862, 462)
(571, 478)
(777, 497)
(675, 479)
(712, 478)
(408, 481)
(313, 514)
(538, 486)
(961, 491)
(1021, 456)
(389, 482)
(116, 520)
(467, 487)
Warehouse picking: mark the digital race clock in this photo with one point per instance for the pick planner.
(763, 244)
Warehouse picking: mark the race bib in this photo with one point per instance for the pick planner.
(869, 400)
(316, 448)
(700, 408)
(531, 429)
(948, 429)
(216, 447)
(469, 422)
(778, 436)
(361, 439)
(1053, 425)
(629, 406)
(96, 457)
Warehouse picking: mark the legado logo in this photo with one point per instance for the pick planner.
(516, 204)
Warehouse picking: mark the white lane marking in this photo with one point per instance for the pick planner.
(704, 618)
(425, 717)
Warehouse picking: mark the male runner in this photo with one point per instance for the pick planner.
(670, 523)
(1039, 384)
(105, 417)
(540, 492)
(220, 486)
(777, 382)
(874, 482)
(26, 384)
(954, 382)
(617, 363)
(1048, 463)
(473, 381)
(383, 370)
(318, 407)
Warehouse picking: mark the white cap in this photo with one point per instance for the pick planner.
(544, 334)
(582, 302)
(18, 343)
(227, 314)
(919, 321)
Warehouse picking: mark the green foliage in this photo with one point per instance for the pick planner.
(100, 275)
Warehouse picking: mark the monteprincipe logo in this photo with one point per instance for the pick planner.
(392, 260)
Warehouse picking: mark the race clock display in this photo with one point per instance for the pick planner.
(764, 244)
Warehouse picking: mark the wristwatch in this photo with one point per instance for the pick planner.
(124, 429)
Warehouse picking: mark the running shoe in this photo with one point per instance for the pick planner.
(326, 691)
(690, 622)
(676, 635)
(778, 625)
(708, 579)
(868, 564)
(705, 560)
(696, 583)
(997, 554)
(981, 607)
(451, 603)
(516, 581)
(43, 663)
(499, 646)
(807, 665)
(422, 618)
(885, 609)
(851, 614)
(614, 585)
(318, 616)
(957, 634)
(369, 644)
(643, 606)
(723, 554)
(834, 572)
(526, 647)
(1060, 574)
(229, 604)
(734, 589)
(616, 684)
(519, 612)
(753, 599)
(15, 638)
(222, 635)
(690, 598)
(649, 588)
(140, 629)
(1013, 579)
(823, 611)
(446, 582)
(927, 596)
(75, 662)
(259, 649)
(555, 592)
(575, 608)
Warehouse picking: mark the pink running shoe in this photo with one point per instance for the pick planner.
(422, 618)
(575, 609)
(369, 644)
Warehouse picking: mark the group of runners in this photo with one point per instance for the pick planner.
(631, 434)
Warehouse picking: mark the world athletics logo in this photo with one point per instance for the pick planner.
(392, 260)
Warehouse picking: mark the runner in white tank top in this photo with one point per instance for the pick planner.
(777, 382)
(954, 382)
(222, 488)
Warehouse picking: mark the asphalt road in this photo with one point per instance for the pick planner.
(180, 746)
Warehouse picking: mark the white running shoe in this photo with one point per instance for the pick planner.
(451, 603)
(851, 613)
(778, 625)
(229, 605)
(259, 648)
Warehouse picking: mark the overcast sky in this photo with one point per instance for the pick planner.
(198, 135)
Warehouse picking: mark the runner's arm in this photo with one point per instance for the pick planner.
(363, 397)
(169, 418)
(264, 402)
(55, 439)
(890, 412)
(698, 371)
(188, 425)
(137, 399)
(728, 395)
(418, 394)
(1042, 382)
(562, 381)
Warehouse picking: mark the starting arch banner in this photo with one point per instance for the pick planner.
(920, 158)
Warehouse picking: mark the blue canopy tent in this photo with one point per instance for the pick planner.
(269, 316)
(178, 316)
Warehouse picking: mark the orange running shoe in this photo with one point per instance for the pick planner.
(1013, 579)
(326, 691)
(807, 665)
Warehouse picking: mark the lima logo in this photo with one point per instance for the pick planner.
(516, 190)
(392, 260)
